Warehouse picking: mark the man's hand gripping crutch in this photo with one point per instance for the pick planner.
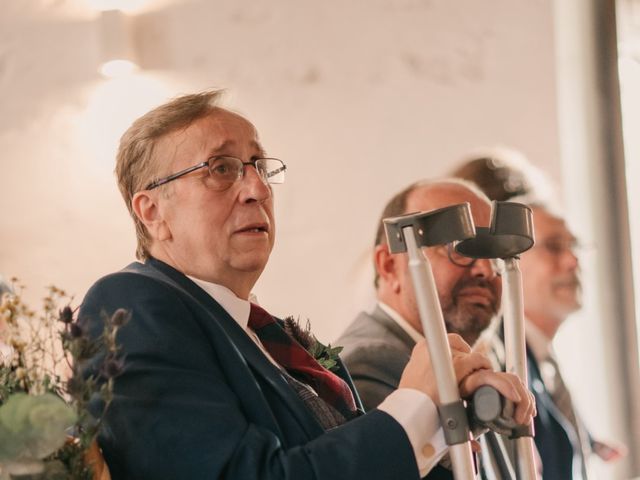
(447, 364)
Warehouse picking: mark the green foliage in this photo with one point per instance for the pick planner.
(42, 392)
(33, 426)
(325, 355)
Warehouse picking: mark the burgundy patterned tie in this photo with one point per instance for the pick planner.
(292, 356)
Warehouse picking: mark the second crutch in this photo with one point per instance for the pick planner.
(509, 235)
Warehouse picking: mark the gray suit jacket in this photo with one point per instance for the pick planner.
(376, 350)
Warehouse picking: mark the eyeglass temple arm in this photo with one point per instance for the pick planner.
(162, 181)
(276, 171)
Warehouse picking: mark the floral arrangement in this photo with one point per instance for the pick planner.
(46, 429)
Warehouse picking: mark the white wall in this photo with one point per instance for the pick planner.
(359, 98)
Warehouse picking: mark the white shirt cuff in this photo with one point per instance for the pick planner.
(418, 415)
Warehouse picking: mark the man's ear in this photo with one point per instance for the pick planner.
(145, 206)
(387, 267)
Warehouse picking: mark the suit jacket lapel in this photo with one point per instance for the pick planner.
(343, 373)
(246, 348)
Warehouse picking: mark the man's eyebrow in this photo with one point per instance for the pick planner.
(228, 143)
(259, 148)
(220, 148)
(558, 237)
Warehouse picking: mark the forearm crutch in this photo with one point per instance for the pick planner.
(409, 233)
(509, 235)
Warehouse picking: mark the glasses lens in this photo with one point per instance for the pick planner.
(271, 169)
(557, 247)
(457, 258)
(224, 171)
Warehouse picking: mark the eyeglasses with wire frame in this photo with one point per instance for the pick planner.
(454, 257)
(557, 246)
(463, 261)
(224, 171)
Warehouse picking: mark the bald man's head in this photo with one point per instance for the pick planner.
(469, 296)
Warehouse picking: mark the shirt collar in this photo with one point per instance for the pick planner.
(235, 306)
(406, 326)
(538, 342)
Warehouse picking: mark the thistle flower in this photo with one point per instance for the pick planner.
(120, 317)
(66, 315)
(76, 330)
(112, 366)
(302, 335)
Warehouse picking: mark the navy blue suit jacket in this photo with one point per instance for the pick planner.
(552, 430)
(198, 400)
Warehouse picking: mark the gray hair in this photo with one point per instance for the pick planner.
(136, 163)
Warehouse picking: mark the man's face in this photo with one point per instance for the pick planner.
(550, 271)
(469, 296)
(221, 236)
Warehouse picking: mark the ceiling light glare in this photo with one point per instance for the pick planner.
(123, 5)
(118, 68)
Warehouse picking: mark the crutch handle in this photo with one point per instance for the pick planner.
(489, 409)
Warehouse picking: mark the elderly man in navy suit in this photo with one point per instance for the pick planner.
(212, 385)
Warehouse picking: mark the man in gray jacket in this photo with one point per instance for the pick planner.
(378, 344)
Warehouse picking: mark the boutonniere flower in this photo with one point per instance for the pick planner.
(325, 355)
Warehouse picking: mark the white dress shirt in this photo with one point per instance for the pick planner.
(406, 326)
(538, 342)
(412, 409)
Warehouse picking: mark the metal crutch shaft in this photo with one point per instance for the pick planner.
(516, 355)
(509, 235)
(439, 351)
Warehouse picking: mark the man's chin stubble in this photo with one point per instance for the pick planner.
(469, 322)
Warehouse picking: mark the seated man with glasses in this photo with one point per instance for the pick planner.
(212, 386)
(552, 292)
(378, 344)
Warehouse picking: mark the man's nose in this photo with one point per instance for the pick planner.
(482, 268)
(253, 186)
(569, 260)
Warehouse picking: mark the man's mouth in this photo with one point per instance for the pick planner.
(254, 228)
(573, 283)
(477, 295)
